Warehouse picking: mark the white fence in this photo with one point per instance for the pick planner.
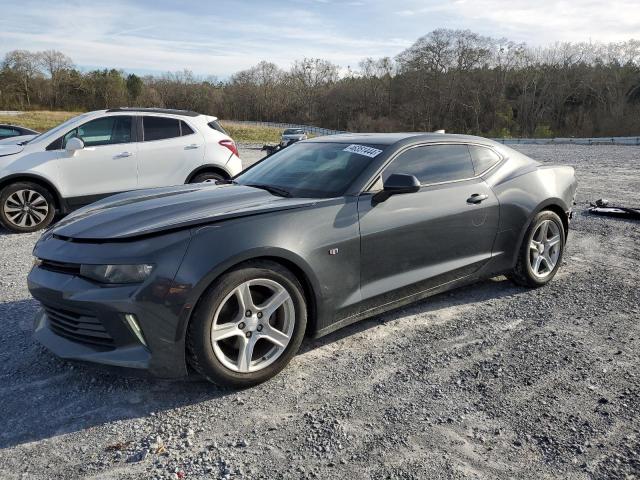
(506, 141)
(572, 141)
(307, 128)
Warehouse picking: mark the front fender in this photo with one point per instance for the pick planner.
(300, 239)
(188, 301)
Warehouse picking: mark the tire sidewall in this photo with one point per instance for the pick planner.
(200, 328)
(14, 187)
(540, 217)
(203, 177)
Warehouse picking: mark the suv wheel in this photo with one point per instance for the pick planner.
(207, 177)
(248, 325)
(26, 207)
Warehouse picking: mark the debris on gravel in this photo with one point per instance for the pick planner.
(489, 381)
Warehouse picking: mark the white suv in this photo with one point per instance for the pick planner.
(100, 153)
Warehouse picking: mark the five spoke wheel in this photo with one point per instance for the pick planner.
(544, 248)
(253, 325)
(540, 252)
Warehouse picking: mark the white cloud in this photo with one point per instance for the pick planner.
(543, 21)
(219, 41)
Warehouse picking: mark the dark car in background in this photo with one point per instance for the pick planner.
(12, 131)
(229, 278)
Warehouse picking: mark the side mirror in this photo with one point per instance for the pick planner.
(74, 144)
(396, 184)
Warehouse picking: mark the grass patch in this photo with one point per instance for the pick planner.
(38, 120)
(252, 133)
(44, 120)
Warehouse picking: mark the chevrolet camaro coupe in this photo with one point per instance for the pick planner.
(228, 278)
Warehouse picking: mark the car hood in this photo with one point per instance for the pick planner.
(10, 149)
(147, 212)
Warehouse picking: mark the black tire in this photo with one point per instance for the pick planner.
(40, 213)
(200, 350)
(523, 274)
(207, 177)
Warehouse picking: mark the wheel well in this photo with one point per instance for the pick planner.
(557, 209)
(208, 168)
(37, 180)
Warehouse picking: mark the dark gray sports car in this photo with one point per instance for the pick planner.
(229, 278)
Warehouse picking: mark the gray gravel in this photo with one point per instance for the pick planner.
(491, 381)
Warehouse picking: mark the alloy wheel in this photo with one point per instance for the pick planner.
(544, 248)
(253, 325)
(26, 208)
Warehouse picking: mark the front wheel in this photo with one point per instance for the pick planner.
(26, 207)
(541, 251)
(207, 177)
(248, 325)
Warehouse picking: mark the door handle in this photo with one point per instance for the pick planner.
(123, 155)
(477, 198)
(193, 146)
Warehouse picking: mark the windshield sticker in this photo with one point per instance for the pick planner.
(363, 150)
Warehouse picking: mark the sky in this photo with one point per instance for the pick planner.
(220, 37)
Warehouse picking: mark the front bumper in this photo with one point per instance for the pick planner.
(81, 320)
(131, 355)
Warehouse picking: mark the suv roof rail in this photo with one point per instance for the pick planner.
(171, 111)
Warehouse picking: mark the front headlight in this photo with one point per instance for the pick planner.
(116, 273)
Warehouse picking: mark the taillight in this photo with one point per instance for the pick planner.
(230, 144)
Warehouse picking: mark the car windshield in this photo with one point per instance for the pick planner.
(293, 131)
(316, 170)
(56, 130)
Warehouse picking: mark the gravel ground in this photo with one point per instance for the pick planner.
(491, 381)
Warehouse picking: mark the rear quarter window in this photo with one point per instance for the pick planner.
(483, 158)
(185, 129)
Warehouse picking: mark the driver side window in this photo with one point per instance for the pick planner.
(102, 131)
(433, 163)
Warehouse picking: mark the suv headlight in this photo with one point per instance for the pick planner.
(116, 273)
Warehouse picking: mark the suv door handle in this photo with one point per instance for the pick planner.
(192, 146)
(477, 198)
(123, 155)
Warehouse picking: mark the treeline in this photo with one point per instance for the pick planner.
(452, 79)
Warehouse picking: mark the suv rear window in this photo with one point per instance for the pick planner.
(216, 126)
(160, 128)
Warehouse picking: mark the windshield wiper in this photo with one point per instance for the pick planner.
(281, 192)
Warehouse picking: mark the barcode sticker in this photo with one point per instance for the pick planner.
(363, 150)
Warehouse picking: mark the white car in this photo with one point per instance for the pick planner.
(292, 135)
(100, 153)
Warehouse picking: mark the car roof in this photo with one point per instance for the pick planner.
(391, 138)
(166, 111)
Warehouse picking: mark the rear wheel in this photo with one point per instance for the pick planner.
(541, 251)
(207, 177)
(248, 325)
(26, 207)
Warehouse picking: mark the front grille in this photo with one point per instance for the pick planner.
(78, 327)
(61, 267)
